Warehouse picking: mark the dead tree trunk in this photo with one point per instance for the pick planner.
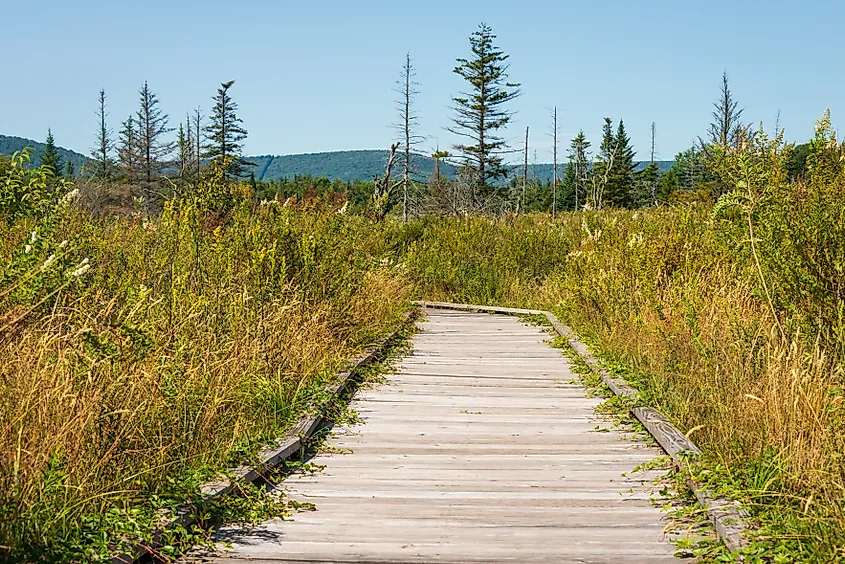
(521, 207)
(554, 165)
(383, 187)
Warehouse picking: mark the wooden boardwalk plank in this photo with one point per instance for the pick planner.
(475, 450)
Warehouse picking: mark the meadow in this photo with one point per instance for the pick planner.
(143, 353)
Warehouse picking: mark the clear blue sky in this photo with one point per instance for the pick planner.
(318, 76)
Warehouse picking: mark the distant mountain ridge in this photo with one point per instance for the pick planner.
(347, 166)
(10, 145)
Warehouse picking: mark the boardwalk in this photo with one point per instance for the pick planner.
(476, 450)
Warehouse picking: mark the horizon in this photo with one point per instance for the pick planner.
(336, 93)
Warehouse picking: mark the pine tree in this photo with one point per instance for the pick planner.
(727, 128)
(645, 186)
(127, 150)
(225, 133)
(621, 178)
(185, 144)
(480, 113)
(567, 187)
(602, 170)
(579, 169)
(101, 154)
(50, 157)
(152, 126)
(70, 170)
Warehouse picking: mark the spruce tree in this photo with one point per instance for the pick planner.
(153, 151)
(50, 157)
(101, 154)
(646, 184)
(621, 179)
(481, 112)
(127, 150)
(579, 169)
(602, 170)
(185, 146)
(225, 132)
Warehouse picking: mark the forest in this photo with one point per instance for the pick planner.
(133, 289)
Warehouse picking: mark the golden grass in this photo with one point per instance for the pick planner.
(184, 350)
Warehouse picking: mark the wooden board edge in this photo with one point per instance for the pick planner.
(727, 516)
(271, 457)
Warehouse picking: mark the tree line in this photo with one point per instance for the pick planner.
(146, 154)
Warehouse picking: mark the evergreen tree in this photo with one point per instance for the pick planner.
(727, 128)
(50, 157)
(225, 133)
(480, 113)
(101, 154)
(70, 170)
(621, 178)
(568, 187)
(128, 148)
(602, 169)
(185, 145)
(152, 126)
(646, 183)
(579, 169)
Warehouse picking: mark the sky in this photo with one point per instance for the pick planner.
(320, 76)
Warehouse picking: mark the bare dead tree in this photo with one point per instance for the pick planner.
(599, 181)
(554, 162)
(521, 204)
(197, 127)
(652, 188)
(408, 120)
(384, 187)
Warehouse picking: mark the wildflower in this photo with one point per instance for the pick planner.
(33, 238)
(47, 263)
(63, 244)
(70, 196)
(342, 211)
(81, 269)
(27, 249)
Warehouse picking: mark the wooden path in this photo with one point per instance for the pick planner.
(476, 450)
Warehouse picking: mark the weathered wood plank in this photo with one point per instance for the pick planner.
(474, 451)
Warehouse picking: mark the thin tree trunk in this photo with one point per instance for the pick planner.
(524, 175)
(554, 167)
(407, 172)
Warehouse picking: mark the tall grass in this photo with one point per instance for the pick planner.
(193, 339)
(675, 296)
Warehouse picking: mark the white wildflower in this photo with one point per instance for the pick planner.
(63, 244)
(47, 263)
(342, 211)
(27, 249)
(70, 196)
(80, 271)
(33, 238)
